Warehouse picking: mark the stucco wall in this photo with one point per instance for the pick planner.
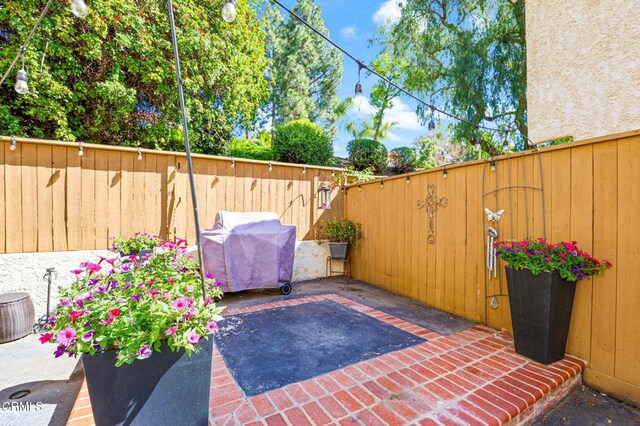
(24, 271)
(583, 62)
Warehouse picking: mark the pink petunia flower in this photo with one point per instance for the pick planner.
(88, 336)
(192, 337)
(212, 327)
(171, 331)
(180, 304)
(67, 336)
(77, 271)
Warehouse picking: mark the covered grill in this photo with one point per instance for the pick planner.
(249, 250)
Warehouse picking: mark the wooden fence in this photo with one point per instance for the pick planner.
(54, 200)
(591, 194)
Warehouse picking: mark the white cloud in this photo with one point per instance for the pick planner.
(389, 13)
(400, 113)
(349, 32)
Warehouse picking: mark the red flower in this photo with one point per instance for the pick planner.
(75, 315)
(113, 313)
(45, 338)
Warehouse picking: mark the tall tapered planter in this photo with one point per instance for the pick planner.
(540, 313)
(168, 388)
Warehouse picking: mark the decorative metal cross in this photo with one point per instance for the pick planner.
(431, 205)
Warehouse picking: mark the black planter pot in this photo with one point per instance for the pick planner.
(540, 313)
(168, 388)
(338, 250)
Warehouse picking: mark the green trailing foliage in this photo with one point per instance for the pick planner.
(110, 78)
(303, 142)
(467, 57)
(367, 153)
(339, 231)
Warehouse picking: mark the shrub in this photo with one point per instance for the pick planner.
(364, 153)
(303, 142)
(403, 159)
(339, 231)
(246, 148)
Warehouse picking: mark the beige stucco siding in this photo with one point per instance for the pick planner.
(583, 67)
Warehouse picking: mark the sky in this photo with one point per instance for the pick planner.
(352, 25)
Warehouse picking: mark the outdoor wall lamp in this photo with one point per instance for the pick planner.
(325, 197)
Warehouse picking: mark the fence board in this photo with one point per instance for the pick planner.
(589, 196)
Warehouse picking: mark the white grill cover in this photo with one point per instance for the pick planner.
(249, 250)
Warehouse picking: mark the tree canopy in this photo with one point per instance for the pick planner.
(467, 57)
(109, 78)
(306, 72)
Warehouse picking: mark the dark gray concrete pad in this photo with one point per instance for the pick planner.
(358, 291)
(588, 407)
(268, 349)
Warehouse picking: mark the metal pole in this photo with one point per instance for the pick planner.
(185, 131)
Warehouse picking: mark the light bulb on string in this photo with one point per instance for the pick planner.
(79, 8)
(229, 11)
(233, 164)
(432, 124)
(359, 100)
(359, 187)
(408, 180)
(270, 166)
(493, 165)
(80, 149)
(22, 87)
(12, 147)
(476, 144)
(444, 172)
(304, 170)
(505, 144)
(139, 154)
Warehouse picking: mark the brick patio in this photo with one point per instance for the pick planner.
(471, 377)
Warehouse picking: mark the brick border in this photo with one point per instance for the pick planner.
(473, 376)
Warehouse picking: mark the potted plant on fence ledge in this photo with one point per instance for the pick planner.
(341, 233)
(141, 328)
(541, 278)
(141, 244)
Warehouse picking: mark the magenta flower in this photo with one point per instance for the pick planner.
(88, 336)
(212, 326)
(192, 337)
(208, 275)
(144, 352)
(67, 336)
(93, 267)
(171, 331)
(77, 271)
(45, 338)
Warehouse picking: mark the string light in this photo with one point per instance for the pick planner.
(359, 187)
(22, 77)
(233, 164)
(505, 144)
(333, 173)
(80, 149)
(493, 165)
(408, 179)
(432, 124)
(229, 11)
(381, 183)
(444, 172)
(476, 144)
(12, 147)
(304, 170)
(270, 166)
(139, 154)
(79, 8)
(359, 100)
